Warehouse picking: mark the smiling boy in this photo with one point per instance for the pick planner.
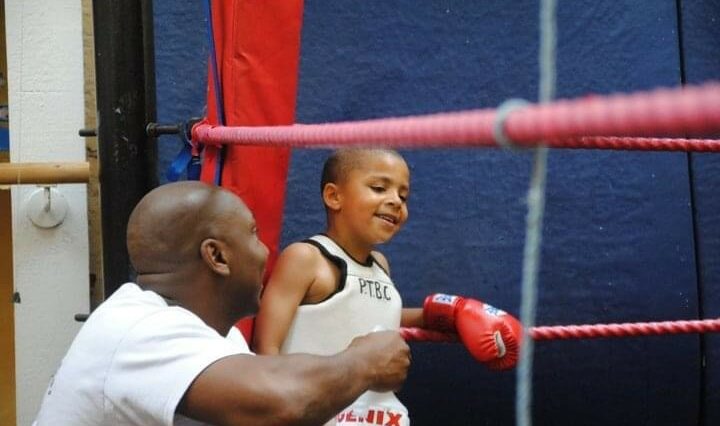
(334, 286)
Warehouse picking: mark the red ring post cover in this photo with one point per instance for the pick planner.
(257, 47)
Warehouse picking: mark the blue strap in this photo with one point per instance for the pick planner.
(184, 161)
(179, 164)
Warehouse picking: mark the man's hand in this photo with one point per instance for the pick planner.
(387, 357)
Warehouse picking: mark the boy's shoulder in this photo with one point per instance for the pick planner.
(298, 263)
(301, 250)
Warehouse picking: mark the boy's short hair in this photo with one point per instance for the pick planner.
(342, 161)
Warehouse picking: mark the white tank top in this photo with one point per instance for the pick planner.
(366, 300)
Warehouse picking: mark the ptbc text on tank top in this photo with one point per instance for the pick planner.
(374, 289)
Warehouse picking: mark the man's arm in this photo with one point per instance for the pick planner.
(295, 389)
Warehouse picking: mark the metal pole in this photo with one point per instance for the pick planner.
(125, 82)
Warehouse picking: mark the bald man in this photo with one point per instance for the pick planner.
(164, 351)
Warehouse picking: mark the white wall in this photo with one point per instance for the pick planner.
(45, 82)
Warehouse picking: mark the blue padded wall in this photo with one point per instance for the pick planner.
(619, 239)
(181, 50)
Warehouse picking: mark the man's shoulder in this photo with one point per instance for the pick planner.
(132, 311)
(131, 293)
(133, 301)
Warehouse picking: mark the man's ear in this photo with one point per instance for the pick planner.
(214, 254)
(331, 196)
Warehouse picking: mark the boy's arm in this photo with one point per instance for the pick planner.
(492, 336)
(293, 275)
(412, 317)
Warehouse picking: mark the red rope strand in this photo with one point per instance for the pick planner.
(562, 124)
(589, 331)
(625, 330)
(638, 144)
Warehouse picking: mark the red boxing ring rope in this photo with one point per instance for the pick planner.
(638, 144)
(565, 332)
(593, 122)
(562, 124)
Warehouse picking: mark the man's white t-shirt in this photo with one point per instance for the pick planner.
(132, 362)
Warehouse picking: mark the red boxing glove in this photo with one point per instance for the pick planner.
(490, 335)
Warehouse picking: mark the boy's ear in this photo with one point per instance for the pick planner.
(331, 196)
(214, 253)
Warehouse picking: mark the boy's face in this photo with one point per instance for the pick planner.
(373, 197)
